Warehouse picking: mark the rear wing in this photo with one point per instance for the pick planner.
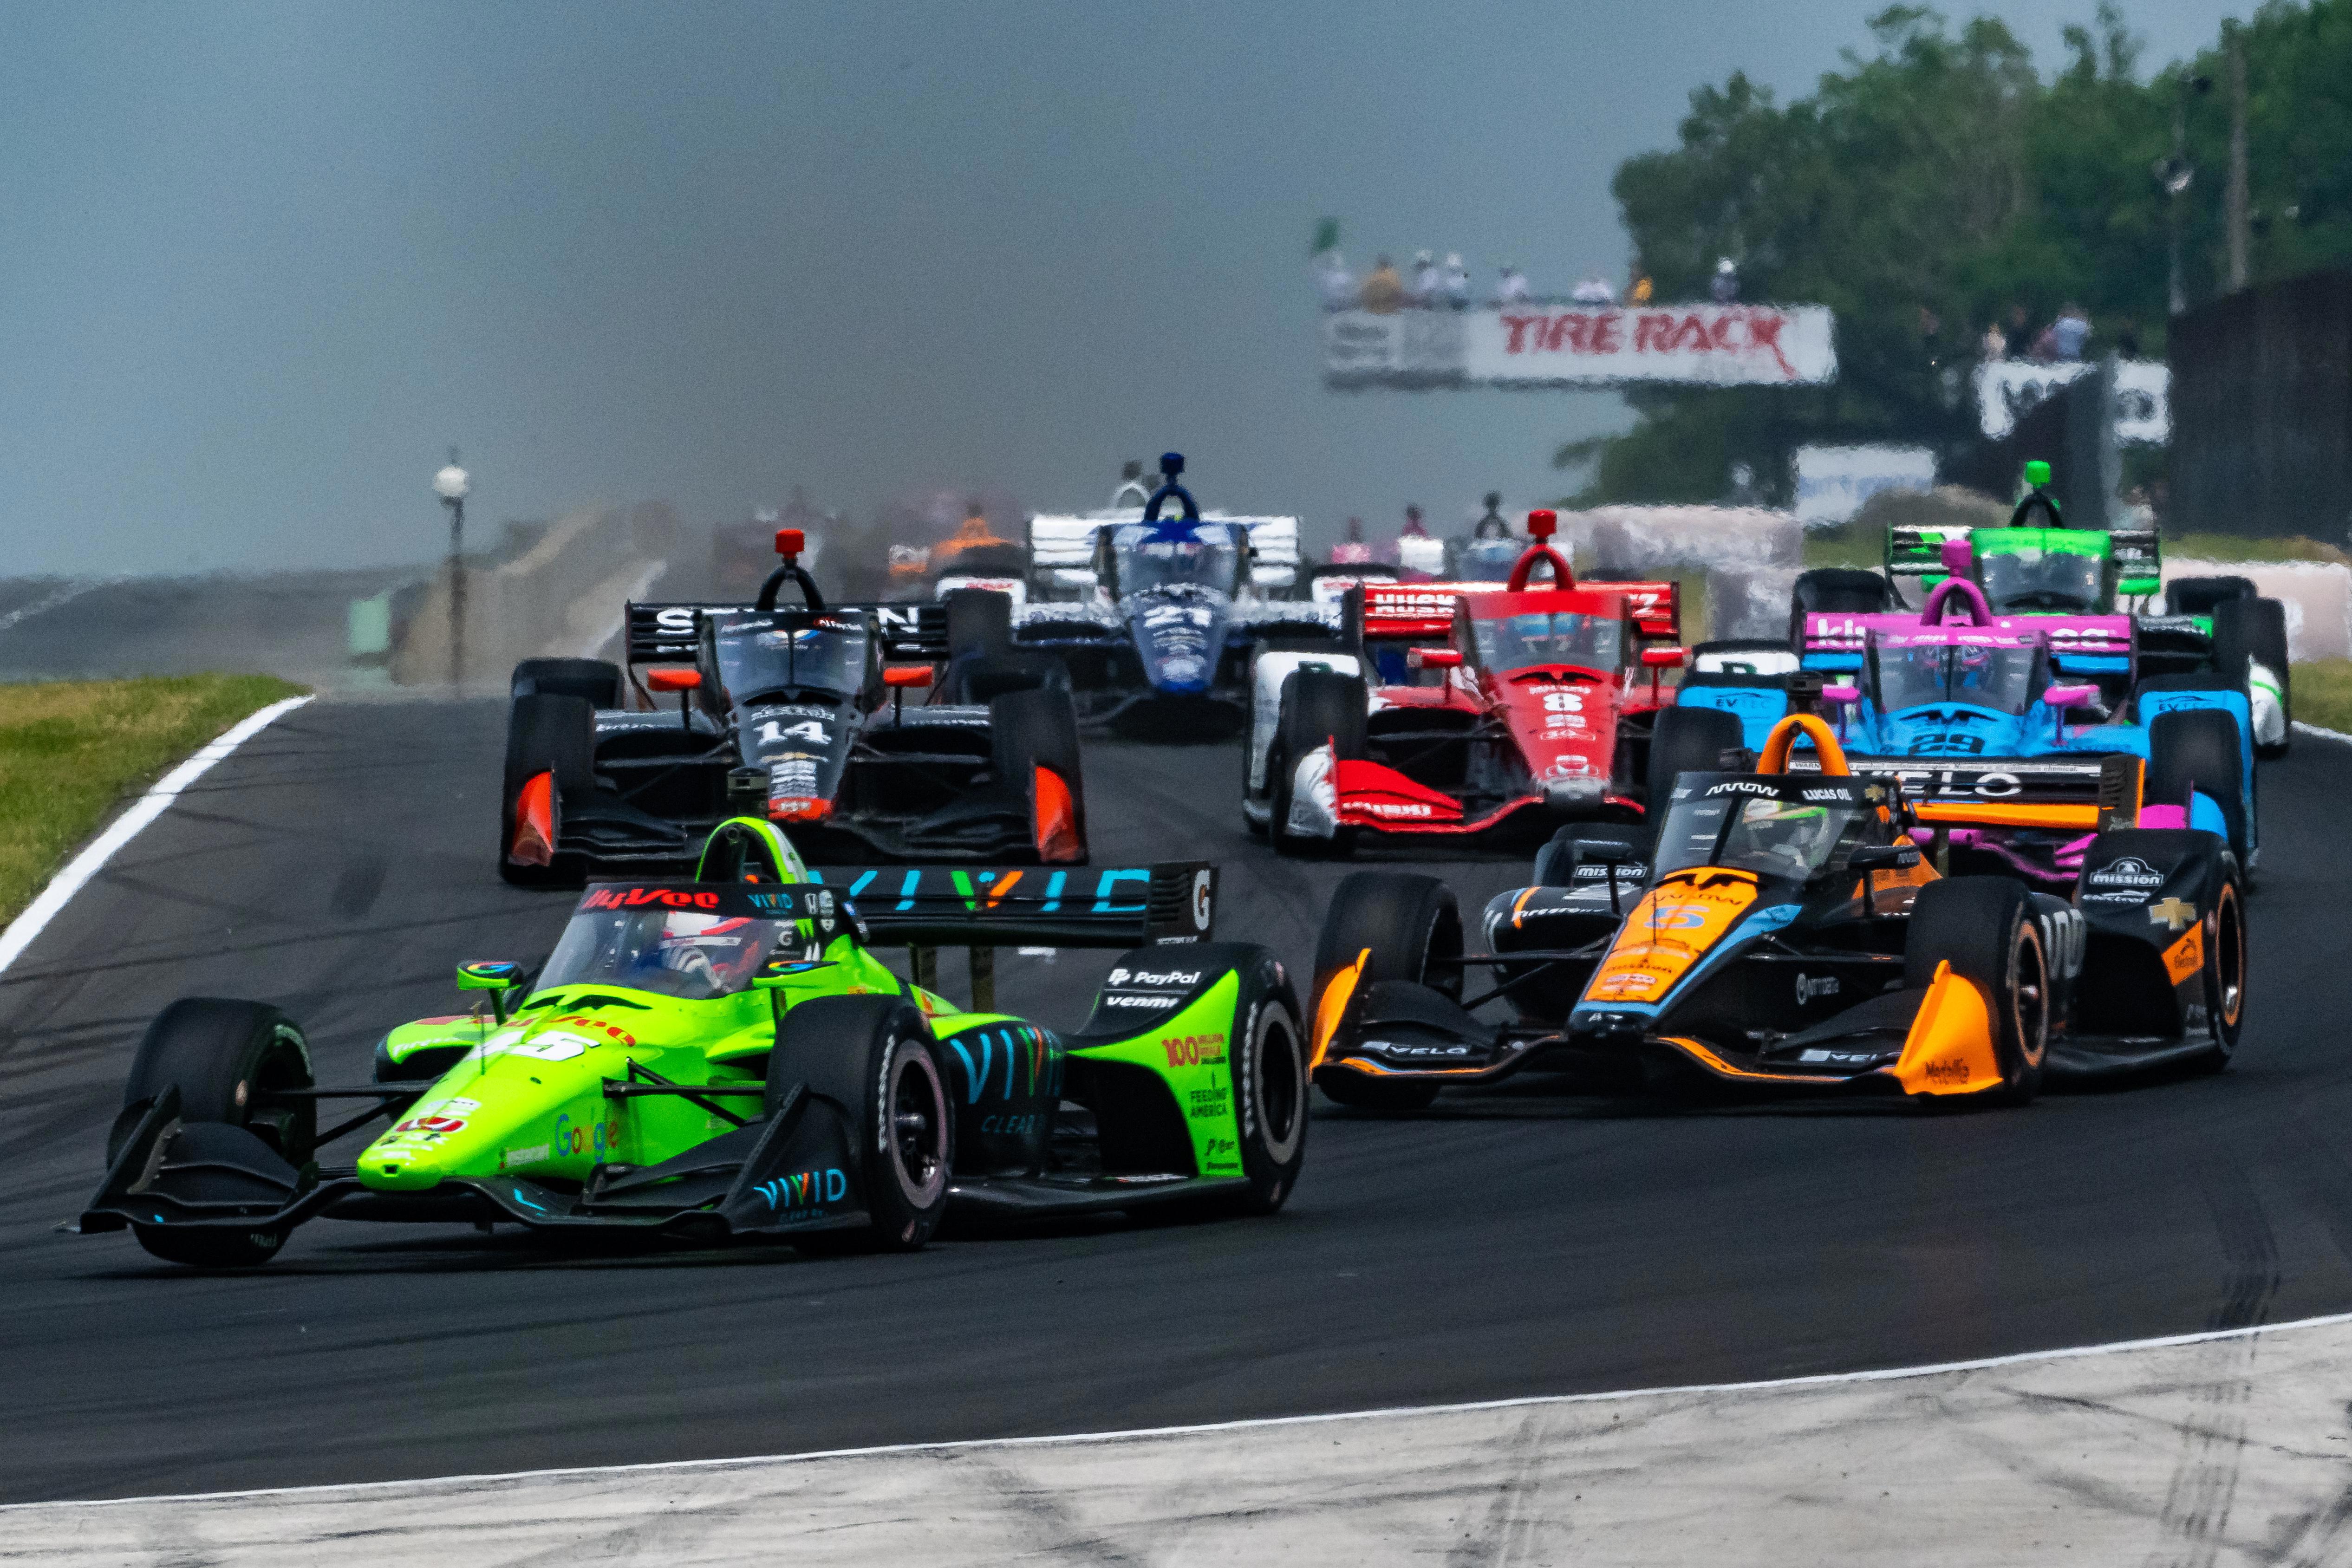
(1656, 607)
(1169, 902)
(2137, 556)
(1062, 547)
(1917, 552)
(1417, 611)
(2092, 794)
(671, 633)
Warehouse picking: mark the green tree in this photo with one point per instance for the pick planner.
(1940, 183)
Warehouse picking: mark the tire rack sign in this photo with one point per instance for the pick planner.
(1712, 345)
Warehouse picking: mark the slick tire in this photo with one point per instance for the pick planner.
(1268, 1064)
(2255, 629)
(1318, 707)
(2200, 749)
(1984, 927)
(871, 1057)
(223, 1056)
(1033, 733)
(2200, 595)
(554, 734)
(1835, 588)
(2225, 972)
(1404, 926)
(593, 679)
(980, 621)
(1685, 740)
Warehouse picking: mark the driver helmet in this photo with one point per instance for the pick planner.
(1797, 832)
(722, 948)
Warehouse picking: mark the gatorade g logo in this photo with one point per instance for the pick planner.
(1203, 886)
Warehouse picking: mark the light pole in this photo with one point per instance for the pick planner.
(451, 485)
(2174, 175)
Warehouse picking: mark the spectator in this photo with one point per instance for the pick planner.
(2045, 344)
(1726, 287)
(2070, 332)
(1511, 288)
(1425, 281)
(1996, 343)
(1640, 293)
(1457, 281)
(1352, 550)
(1594, 291)
(1420, 557)
(1492, 526)
(1132, 491)
(1383, 291)
(2020, 339)
(1335, 282)
(2128, 338)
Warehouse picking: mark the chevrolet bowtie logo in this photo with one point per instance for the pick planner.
(2174, 914)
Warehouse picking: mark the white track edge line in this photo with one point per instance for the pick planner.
(2323, 732)
(1762, 1385)
(25, 927)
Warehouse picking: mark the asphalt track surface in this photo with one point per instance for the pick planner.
(1518, 1241)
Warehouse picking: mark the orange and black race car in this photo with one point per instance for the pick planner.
(1787, 933)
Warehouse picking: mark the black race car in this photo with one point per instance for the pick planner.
(1788, 935)
(834, 721)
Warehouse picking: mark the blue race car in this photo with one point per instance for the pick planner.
(1170, 606)
(1971, 716)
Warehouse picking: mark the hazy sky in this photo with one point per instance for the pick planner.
(260, 264)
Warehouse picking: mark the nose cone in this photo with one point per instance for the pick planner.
(399, 1170)
(1179, 643)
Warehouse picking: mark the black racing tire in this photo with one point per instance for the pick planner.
(1984, 927)
(872, 1057)
(1835, 588)
(223, 1055)
(546, 734)
(1317, 706)
(2225, 972)
(1268, 1065)
(2200, 749)
(1039, 728)
(979, 620)
(2256, 629)
(1686, 740)
(2199, 595)
(596, 680)
(1405, 925)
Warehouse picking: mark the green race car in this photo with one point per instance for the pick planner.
(728, 1057)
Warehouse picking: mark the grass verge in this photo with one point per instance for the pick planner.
(71, 749)
(2322, 693)
(2230, 547)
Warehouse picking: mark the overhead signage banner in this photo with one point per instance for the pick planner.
(2009, 390)
(1833, 482)
(1535, 346)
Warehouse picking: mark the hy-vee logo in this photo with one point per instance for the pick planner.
(655, 897)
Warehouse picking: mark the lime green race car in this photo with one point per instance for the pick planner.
(727, 1057)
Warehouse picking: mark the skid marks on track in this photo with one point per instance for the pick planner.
(2196, 1518)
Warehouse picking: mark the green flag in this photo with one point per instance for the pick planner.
(1327, 237)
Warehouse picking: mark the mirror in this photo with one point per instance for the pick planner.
(1433, 658)
(2138, 587)
(1883, 857)
(1841, 694)
(1605, 851)
(673, 680)
(496, 976)
(1663, 658)
(907, 675)
(2064, 697)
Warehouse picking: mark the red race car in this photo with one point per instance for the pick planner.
(1458, 709)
